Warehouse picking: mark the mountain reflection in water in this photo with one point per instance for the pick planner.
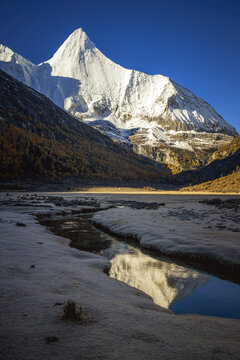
(166, 282)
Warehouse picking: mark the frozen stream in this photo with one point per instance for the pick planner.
(173, 286)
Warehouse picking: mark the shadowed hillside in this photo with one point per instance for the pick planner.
(40, 140)
(227, 150)
(229, 183)
(223, 162)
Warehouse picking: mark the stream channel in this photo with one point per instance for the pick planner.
(179, 288)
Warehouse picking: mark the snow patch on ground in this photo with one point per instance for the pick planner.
(189, 231)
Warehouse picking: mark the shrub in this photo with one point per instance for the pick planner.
(71, 311)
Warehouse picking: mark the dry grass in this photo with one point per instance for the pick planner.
(74, 313)
(225, 184)
(71, 312)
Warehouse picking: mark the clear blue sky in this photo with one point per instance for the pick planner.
(194, 42)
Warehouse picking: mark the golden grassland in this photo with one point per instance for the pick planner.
(142, 191)
(225, 184)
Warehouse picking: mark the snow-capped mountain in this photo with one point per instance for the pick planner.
(151, 113)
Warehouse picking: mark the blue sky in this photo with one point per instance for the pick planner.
(194, 42)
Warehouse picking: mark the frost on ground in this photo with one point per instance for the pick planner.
(190, 230)
(40, 272)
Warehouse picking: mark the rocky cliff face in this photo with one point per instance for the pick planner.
(222, 163)
(147, 111)
(186, 151)
(225, 151)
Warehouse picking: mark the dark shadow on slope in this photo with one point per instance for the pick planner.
(214, 170)
(38, 139)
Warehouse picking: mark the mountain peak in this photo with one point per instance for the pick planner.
(70, 52)
(76, 43)
(8, 55)
(80, 38)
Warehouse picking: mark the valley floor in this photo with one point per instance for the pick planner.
(40, 272)
(146, 191)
